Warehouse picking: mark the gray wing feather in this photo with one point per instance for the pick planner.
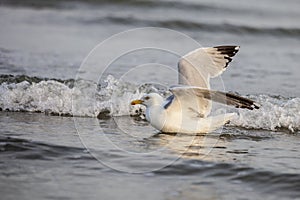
(198, 66)
(189, 94)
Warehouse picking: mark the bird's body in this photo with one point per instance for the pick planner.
(187, 109)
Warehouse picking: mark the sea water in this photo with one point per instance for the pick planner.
(63, 137)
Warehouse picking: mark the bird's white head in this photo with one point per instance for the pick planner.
(149, 100)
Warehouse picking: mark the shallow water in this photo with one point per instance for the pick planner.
(43, 149)
(43, 153)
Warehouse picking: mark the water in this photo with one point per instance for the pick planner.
(42, 45)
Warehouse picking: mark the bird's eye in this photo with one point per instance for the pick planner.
(147, 98)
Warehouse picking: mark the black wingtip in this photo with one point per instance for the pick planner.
(228, 51)
(255, 105)
(249, 107)
(242, 102)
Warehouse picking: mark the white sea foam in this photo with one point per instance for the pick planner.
(84, 99)
(275, 112)
(112, 98)
(44, 96)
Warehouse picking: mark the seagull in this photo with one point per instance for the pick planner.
(188, 107)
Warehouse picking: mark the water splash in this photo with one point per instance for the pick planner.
(112, 98)
(80, 98)
(276, 112)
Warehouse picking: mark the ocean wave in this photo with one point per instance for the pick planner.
(262, 180)
(139, 19)
(276, 112)
(30, 150)
(112, 98)
(195, 25)
(57, 4)
(67, 97)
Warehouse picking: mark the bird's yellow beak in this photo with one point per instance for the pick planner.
(138, 101)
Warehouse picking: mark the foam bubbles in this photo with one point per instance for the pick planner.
(84, 99)
(274, 113)
(112, 98)
(44, 96)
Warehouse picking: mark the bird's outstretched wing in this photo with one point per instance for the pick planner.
(197, 67)
(192, 100)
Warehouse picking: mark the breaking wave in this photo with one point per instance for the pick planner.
(112, 98)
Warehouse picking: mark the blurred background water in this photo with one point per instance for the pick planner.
(42, 45)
